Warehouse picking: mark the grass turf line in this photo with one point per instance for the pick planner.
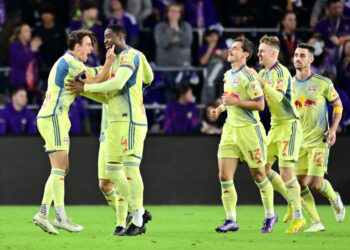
(172, 227)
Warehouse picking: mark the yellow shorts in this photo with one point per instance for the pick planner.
(312, 161)
(284, 141)
(102, 172)
(55, 131)
(245, 143)
(124, 139)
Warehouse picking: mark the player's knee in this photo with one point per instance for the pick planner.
(105, 185)
(315, 185)
(224, 177)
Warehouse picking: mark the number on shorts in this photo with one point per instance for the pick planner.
(257, 156)
(285, 146)
(124, 143)
(318, 158)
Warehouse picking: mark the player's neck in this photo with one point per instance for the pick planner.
(303, 74)
(236, 65)
(270, 64)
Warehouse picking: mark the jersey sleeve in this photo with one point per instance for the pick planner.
(93, 71)
(330, 93)
(254, 90)
(61, 72)
(282, 81)
(77, 69)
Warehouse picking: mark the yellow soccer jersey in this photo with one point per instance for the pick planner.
(242, 85)
(281, 100)
(57, 98)
(312, 95)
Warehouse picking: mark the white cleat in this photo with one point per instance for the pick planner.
(44, 223)
(316, 226)
(338, 208)
(68, 225)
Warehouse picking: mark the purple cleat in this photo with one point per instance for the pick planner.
(229, 225)
(268, 224)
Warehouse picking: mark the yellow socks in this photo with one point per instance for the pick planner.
(56, 184)
(116, 175)
(47, 199)
(111, 199)
(133, 175)
(122, 209)
(266, 192)
(293, 194)
(328, 191)
(309, 205)
(278, 184)
(229, 199)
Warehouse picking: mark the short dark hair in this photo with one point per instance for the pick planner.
(16, 90)
(88, 4)
(181, 90)
(309, 47)
(117, 29)
(76, 37)
(247, 45)
(329, 2)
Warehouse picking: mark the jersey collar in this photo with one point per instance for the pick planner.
(70, 53)
(306, 79)
(274, 66)
(238, 70)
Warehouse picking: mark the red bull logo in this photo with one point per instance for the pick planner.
(312, 89)
(303, 103)
(235, 82)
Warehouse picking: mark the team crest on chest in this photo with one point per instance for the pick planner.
(279, 82)
(311, 89)
(254, 86)
(123, 58)
(235, 82)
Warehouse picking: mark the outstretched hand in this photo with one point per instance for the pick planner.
(74, 86)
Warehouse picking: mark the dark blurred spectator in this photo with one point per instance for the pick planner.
(25, 60)
(212, 55)
(319, 9)
(344, 97)
(141, 9)
(52, 35)
(325, 58)
(173, 40)
(181, 115)
(2, 13)
(243, 13)
(208, 126)
(158, 9)
(334, 25)
(273, 11)
(125, 19)
(200, 13)
(16, 118)
(289, 39)
(343, 68)
(88, 19)
(302, 9)
(79, 118)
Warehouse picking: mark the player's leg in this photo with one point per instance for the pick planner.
(318, 162)
(227, 168)
(131, 167)
(112, 196)
(291, 136)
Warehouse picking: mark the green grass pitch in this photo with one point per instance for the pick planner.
(172, 227)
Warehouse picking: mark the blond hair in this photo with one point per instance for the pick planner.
(271, 41)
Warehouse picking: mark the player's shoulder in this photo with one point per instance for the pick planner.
(281, 71)
(248, 75)
(322, 79)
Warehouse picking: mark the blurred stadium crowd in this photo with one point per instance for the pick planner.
(186, 41)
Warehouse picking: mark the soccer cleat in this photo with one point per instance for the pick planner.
(289, 215)
(119, 230)
(268, 224)
(134, 230)
(229, 225)
(147, 216)
(338, 208)
(128, 218)
(296, 226)
(44, 223)
(68, 225)
(316, 226)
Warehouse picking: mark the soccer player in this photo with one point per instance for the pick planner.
(243, 136)
(312, 94)
(127, 124)
(285, 135)
(53, 124)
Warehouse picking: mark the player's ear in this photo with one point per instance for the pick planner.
(312, 58)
